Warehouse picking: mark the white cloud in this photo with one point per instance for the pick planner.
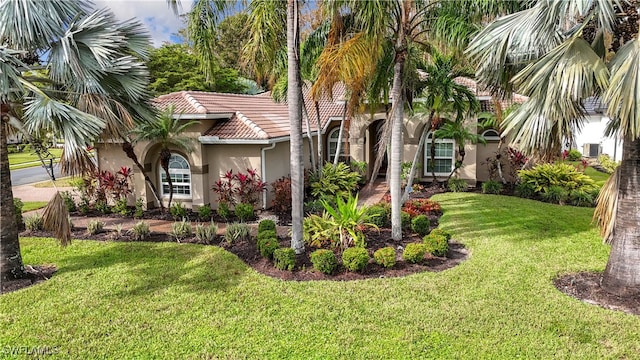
(154, 14)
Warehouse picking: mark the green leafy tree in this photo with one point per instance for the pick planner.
(174, 67)
(562, 53)
(167, 132)
(95, 84)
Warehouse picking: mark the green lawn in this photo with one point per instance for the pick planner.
(27, 159)
(33, 205)
(164, 300)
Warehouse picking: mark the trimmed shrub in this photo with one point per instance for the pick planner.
(266, 224)
(181, 230)
(607, 164)
(324, 261)
(140, 231)
(380, 215)
(414, 252)
(385, 256)
(178, 211)
(574, 155)
(206, 233)
(34, 222)
(223, 210)
(266, 234)
(436, 245)
(244, 211)
(121, 207)
(525, 190)
(555, 194)
(442, 232)
(205, 212)
(544, 176)
(284, 259)
(491, 187)
(457, 185)
(67, 198)
(405, 218)
(267, 246)
(355, 259)
(236, 232)
(421, 225)
(95, 227)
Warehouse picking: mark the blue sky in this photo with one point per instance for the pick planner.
(155, 14)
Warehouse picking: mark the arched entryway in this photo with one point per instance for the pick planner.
(374, 135)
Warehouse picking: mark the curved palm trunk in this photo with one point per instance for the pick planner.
(622, 275)
(412, 173)
(11, 266)
(128, 149)
(458, 162)
(336, 157)
(432, 151)
(294, 103)
(165, 157)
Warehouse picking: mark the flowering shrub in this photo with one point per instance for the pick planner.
(421, 207)
(239, 188)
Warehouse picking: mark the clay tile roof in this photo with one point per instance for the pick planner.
(479, 91)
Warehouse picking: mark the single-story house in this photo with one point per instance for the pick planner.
(237, 132)
(591, 140)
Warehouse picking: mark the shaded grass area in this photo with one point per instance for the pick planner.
(33, 205)
(61, 182)
(139, 300)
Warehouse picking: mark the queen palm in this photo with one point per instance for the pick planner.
(93, 83)
(167, 132)
(561, 55)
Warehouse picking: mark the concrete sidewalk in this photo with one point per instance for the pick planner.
(32, 193)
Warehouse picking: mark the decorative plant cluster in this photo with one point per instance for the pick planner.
(282, 195)
(422, 207)
(241, 190)
(335, 182)
(607, 163)
(557, 183)
(436, 244)
(267, 243)
(102, 191)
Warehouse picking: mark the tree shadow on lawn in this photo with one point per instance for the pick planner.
(493, 216)
(191, 268)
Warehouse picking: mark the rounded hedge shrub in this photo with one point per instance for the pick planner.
(266, 224)
(445, 233)
(284, 258)
(385, 257)
(405, 218)
(267, 234)
(355, 258)
(324, 261)
(267, 246)
(436, 245)
(244, 211)
(379, 215)
(414, 252)
(421, 225)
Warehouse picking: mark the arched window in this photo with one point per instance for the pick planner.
(491, 135)
(180, 177)
(444, 159)
(332, 144)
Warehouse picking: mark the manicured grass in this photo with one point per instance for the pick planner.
(33, 205)
(61, 182)
(599, 177)
(28, 158)
(165, 300)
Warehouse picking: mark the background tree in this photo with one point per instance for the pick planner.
(174, 67)
(232, 35)
(566, 50)
(93, 67)
(167, 132)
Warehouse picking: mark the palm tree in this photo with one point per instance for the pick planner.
(167, 133)
(460, 134)
(566, 49)
(92, 65)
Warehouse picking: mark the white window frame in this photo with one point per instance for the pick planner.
(331, 139)
(180, 172)
(427, 155)
(495, 136)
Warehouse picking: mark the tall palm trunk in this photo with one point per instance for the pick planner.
(320, 153)
(165, 157)
(11, 266)
(294, 96)
(336, 157)
(397, 117)
(127, 147)
(412, 172)
(307, 122)
(622, 275)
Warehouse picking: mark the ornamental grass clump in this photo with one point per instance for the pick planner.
(385, 256)
(236, 232)
(205, 234)
(95, 227)
(181, 230)
(140, 231)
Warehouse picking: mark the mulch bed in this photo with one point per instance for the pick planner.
(585, 286)
(34, 274)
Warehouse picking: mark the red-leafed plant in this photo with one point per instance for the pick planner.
(421, 207)
(282, 195)
(239, 188)
(224, 188)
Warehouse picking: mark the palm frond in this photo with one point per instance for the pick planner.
(623, 94)
(267, 45)
(10, 77)
(607, 206)
(56, 219)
